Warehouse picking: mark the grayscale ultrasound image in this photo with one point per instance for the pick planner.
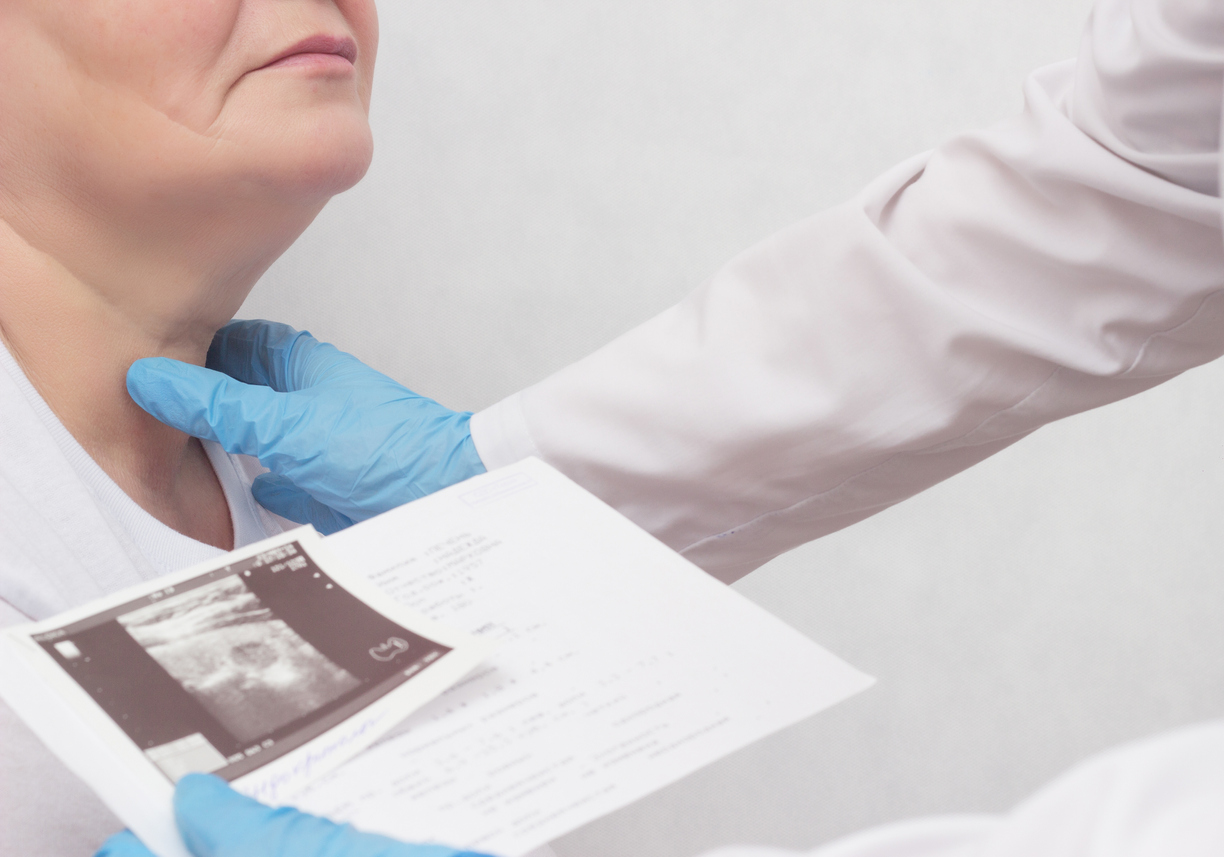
(240, 665)
(247, 668)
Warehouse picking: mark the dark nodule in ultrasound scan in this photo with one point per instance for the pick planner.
(238, 666)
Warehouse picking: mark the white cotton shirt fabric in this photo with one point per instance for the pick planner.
(1061, 260)
(69, 534)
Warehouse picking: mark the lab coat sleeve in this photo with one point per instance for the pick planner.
(1063, 259)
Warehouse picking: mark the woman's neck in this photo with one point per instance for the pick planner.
(75, 344)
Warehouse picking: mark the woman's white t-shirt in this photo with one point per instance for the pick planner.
(68, 534)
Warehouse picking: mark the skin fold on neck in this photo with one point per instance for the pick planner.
(83, 296)
(75, 343)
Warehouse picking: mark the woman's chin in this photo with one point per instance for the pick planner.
(319, 164)
(321, 175)
(317, 144)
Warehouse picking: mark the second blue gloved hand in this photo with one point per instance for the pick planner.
(216, 821)
(343, 441)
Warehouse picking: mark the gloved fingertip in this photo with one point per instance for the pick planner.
(273, 483)
(210, 814)
(124, 844)
(256, 351)
(173, 391)
(196, 793)
(280, 496)
(145, 375)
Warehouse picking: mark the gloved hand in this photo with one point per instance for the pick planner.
(216, 821)
(343, 442)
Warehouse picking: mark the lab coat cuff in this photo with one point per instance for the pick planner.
(501, 435)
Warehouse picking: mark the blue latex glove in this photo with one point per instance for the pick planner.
(343, 442)
(216, 821)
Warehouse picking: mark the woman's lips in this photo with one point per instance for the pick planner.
(318, 51)
(312, 59)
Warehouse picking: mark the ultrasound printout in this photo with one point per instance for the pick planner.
(236, 667)
(268, 667)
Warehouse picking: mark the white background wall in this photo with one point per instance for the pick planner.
(549, 174)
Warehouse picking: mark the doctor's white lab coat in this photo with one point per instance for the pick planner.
(1058, 261)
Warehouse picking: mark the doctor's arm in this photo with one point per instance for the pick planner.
(1063, 259)
(1058, 261)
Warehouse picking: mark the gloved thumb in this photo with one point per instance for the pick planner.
(243, 418)
(124, 844)
(280, 496)
(216, 821)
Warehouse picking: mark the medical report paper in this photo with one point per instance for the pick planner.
(613, 667)
(621, 667)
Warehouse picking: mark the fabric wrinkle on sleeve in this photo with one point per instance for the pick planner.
(1014, 276)
(1152, 87)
